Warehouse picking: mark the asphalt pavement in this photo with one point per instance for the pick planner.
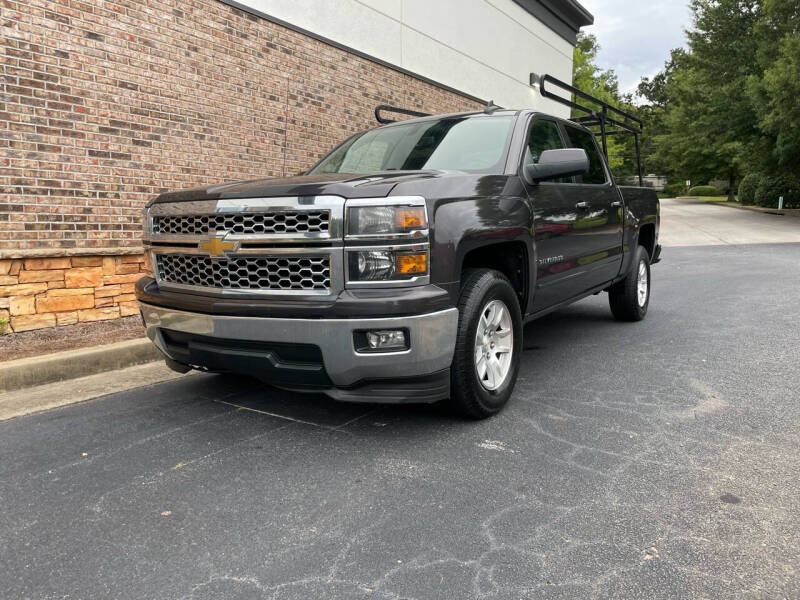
(658, 459)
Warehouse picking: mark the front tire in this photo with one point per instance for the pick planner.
(488, 344)
(630, 297)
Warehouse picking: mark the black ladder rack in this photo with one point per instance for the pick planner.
(395, 109)
(608, 120)
(489, 109)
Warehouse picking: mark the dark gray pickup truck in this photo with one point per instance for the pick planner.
(403, 265)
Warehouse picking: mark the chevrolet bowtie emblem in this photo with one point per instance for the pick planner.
(216, 246)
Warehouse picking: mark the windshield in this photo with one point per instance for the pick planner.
(474, 144)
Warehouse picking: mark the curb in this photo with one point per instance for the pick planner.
(786, 212)
(70, 364)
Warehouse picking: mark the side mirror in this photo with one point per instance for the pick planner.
(557, 163)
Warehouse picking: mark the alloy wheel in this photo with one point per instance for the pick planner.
(494, 345)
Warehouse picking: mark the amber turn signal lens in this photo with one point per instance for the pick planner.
(411, 264)
(409, 218)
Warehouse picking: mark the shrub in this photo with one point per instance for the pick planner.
(747, 188)
(772, 187)
(672, 190)
(704, 190)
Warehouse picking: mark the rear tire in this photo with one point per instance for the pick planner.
(488, 344)
(630, 297)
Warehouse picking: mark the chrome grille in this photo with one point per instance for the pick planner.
(253, 223)
(276, 273)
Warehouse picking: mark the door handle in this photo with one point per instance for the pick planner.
(582, 205)
(616, 204)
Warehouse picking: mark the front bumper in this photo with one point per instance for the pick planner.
(254, 346)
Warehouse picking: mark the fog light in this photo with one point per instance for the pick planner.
(381, 340)
(386, 339)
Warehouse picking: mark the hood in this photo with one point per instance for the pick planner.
(347, 185)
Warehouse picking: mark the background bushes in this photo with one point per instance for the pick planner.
(704, 190)
(747, 188)
(770, 188)
(673, 190)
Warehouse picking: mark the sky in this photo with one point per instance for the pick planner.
(636, 36)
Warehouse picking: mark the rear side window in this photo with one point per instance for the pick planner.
(581, 139)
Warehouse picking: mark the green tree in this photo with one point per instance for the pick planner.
(657, 92)
(658, 89)
(587, 76)
(602, 84)
(775, 90)
(708, 124)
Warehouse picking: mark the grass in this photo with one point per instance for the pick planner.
(714, 198)
(703, 198)
(724, 200)
(718, 199)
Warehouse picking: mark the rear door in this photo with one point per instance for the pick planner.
(597, 203)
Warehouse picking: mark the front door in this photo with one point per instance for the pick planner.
(554, 218)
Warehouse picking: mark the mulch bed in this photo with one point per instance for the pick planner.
(70, 337)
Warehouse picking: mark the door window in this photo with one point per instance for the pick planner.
(578, 138)
(544, 135)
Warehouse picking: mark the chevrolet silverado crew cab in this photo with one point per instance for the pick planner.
(403, 265)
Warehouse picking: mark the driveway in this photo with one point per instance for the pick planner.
(691, 222)
(652, 460)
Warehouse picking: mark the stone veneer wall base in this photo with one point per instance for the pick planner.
(63, 290)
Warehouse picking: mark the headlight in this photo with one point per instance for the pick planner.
(383, 265)
(385, 220)
(371, 265)
(386, 242)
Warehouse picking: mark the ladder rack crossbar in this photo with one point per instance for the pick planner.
(610, 119)
(395, 109)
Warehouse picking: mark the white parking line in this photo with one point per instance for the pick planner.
(294, 419)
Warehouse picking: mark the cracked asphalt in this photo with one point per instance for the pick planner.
(651, 460)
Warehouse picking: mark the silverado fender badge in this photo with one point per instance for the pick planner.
(551, 259)
(216, 247)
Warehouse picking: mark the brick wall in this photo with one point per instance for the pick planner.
(107, 103)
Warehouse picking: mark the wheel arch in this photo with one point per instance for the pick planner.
(647, 238)
(511, 258)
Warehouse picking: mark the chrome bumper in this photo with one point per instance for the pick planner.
(432, 336)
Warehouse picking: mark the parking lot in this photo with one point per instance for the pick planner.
(658, 459)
